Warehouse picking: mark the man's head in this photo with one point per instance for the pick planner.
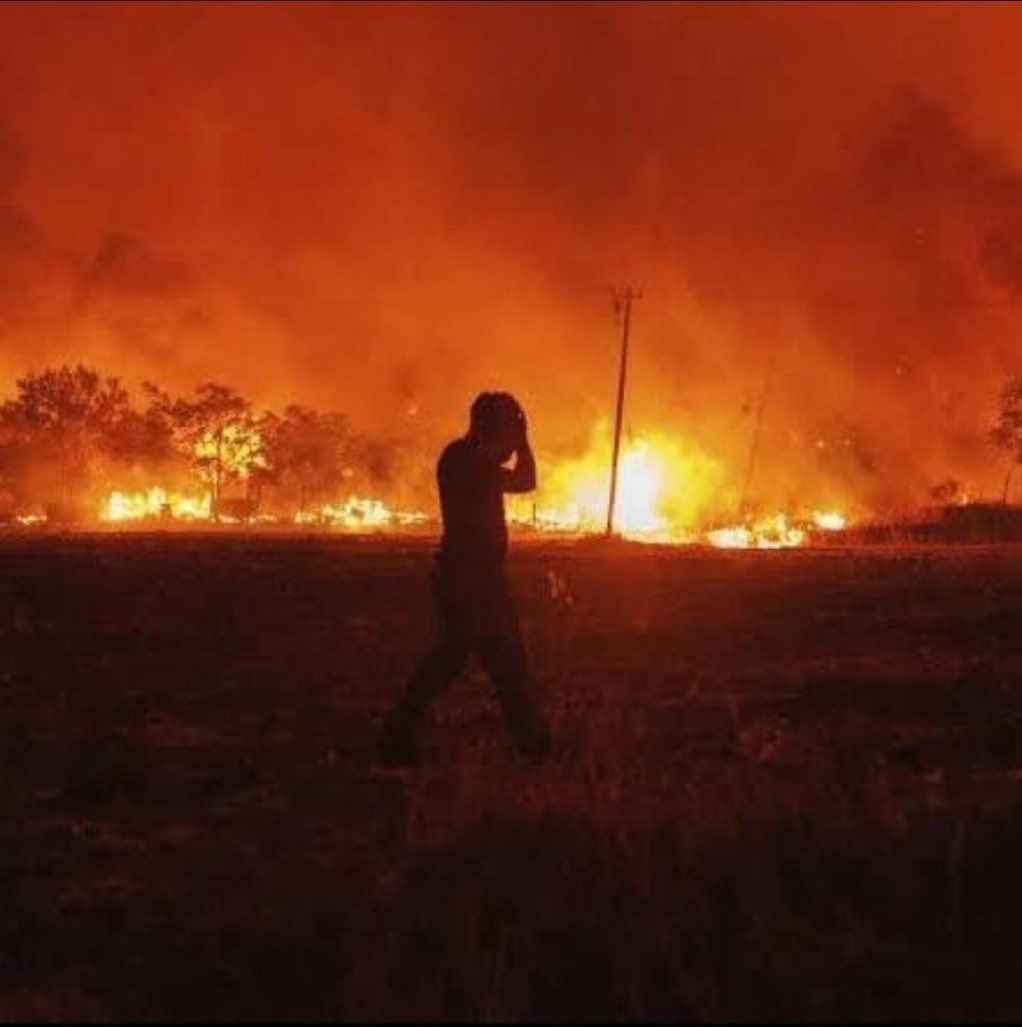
(497, 423)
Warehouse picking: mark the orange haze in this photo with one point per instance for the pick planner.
(382, 207)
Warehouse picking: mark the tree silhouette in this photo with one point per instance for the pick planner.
(1006, 434)
(308, 453)
(217, 432)
(63, 425)
(70, 433)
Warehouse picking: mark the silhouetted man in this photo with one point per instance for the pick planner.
(476, 612)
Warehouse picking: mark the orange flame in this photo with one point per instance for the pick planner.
(667, 492)
(664, 488)
(154, 503)
(360, 512)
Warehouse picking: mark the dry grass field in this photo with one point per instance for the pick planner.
(787, 785)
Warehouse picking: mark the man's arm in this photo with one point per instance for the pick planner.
(522, 478)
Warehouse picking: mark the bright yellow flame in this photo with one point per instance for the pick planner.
(667, 490)
(664, 486)
(154, 503)
(777, 531)
(360, 512)
(190, 508)
(773, 532)
(829, 520)
(238, 448)
(736, 536)
(356, 512)
(640, 491)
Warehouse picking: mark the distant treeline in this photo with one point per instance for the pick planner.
(71, 435)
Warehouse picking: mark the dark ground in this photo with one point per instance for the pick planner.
(788, 785)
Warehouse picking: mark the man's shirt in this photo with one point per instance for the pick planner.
(472, 505)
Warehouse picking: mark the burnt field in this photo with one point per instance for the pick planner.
(786, 785)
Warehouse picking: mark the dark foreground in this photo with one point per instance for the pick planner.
(788, 785)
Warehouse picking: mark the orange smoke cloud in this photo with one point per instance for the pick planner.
(384, 207)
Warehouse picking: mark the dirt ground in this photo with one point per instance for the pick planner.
(786, 786)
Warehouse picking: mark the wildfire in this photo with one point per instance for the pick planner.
(153, 504)
(640, 489)
(664, 487)
(636, 506)
(354, 513)
(360, 512)
(667, 491)
(830, 520)
(232, 453)
(234, 450)
(774, 532)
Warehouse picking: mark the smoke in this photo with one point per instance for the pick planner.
(386, 208)
(23, 255)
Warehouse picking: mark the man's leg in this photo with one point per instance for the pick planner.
(502, 654)
(437, 669)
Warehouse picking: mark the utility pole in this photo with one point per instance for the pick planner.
(757, 430)
(622, 302)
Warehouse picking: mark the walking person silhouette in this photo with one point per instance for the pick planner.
(475, 609)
